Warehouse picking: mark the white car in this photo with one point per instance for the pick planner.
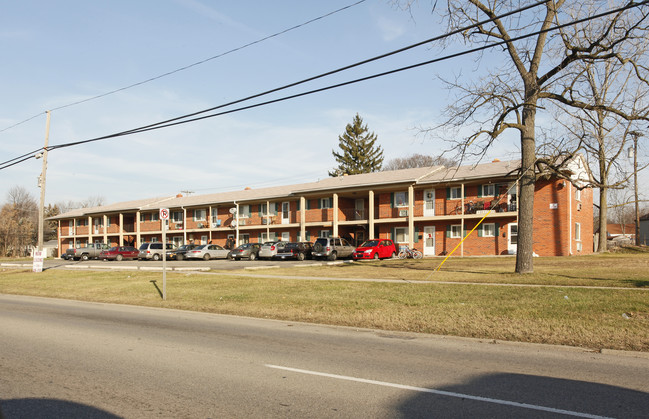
(207, 252)
(269, 249)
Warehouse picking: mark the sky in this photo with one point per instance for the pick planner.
(56, 54)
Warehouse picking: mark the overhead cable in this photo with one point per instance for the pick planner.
(188, 66)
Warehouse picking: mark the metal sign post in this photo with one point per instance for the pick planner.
(164, 217)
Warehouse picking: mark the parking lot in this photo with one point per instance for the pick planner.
(218, 264)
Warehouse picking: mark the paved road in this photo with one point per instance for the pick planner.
(73, 359)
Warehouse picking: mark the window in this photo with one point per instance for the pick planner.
(577, 231)
(578, 194)
(107, 221)
(199, 214)
(489, 190)
(455, 193)
(326, 203)
(456, 231)
(244, 238)
(488, 230)
(286, 236)
(401, 235)
(244, 211)
(401, 199)
(154, 239)
(204, 240)
(142, 217)
(325, 233)
(177, 216)
(155, 216)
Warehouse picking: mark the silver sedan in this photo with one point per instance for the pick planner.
(207, 252)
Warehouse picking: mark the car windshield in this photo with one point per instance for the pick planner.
(370, 243)
(112, 249)
(144, 246)
(202, 246)
(322, 241)
(185, 247)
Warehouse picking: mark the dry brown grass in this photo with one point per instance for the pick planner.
(559, 311)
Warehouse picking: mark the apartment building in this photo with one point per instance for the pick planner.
(430, 208)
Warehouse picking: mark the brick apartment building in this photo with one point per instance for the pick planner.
(429, 208)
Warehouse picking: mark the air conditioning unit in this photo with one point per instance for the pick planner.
(403, 213)
(216, 224)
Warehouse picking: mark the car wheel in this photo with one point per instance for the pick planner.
(179, 257)
(394, 255)
(300, 256)
(230, 257)
(84, 257)
(156, 256)
(253, 256)
(206, 257)
(333, 256)
(376, 256)
(119, 258)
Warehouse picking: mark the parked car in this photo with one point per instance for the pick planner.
(179, 254)
(91, 251)
(153, 250)
(207, 252)
(119, 253)
(376, 249)
(295, 250)
(269, 249)
(247, 250)
(332, 248)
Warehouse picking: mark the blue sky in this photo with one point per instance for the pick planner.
(57, 53)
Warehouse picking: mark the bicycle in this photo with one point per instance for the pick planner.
(406, 252)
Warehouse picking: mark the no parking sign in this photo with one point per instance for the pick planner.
(164, 213)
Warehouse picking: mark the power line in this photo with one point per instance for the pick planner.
(169, 73)
(179, 120)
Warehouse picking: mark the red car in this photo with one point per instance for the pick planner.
(376, 249)
(119, 253)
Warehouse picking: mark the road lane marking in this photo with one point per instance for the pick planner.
(440, 392)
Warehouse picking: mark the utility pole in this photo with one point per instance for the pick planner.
(41, 184)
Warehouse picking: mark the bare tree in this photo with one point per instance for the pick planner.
(603, 134)
(19, 222)
(527, 78)
(418, 160)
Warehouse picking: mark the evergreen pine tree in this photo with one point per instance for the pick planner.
(358, 152)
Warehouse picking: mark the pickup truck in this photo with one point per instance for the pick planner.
(91, 251)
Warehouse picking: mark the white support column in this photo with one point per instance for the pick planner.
(411, 217)
(462, 221)
(370, 208)
(90, 238)
(105, 229)
(121, 229)
(137, 229)
(303, 218)
(335, 220)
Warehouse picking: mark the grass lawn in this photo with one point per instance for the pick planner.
(596, 302)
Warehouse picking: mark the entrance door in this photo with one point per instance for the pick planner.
(359, 209)
(286, 212)
(429, 203)
(429, 241)
(359, 237)
(512, 238)
(97, 222)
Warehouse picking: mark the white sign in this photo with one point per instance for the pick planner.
(164, 213)
(38, 261)
(554, 205)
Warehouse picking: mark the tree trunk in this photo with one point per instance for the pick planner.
(524, 253)
(603, 216)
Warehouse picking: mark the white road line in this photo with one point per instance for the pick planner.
(440, 392)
